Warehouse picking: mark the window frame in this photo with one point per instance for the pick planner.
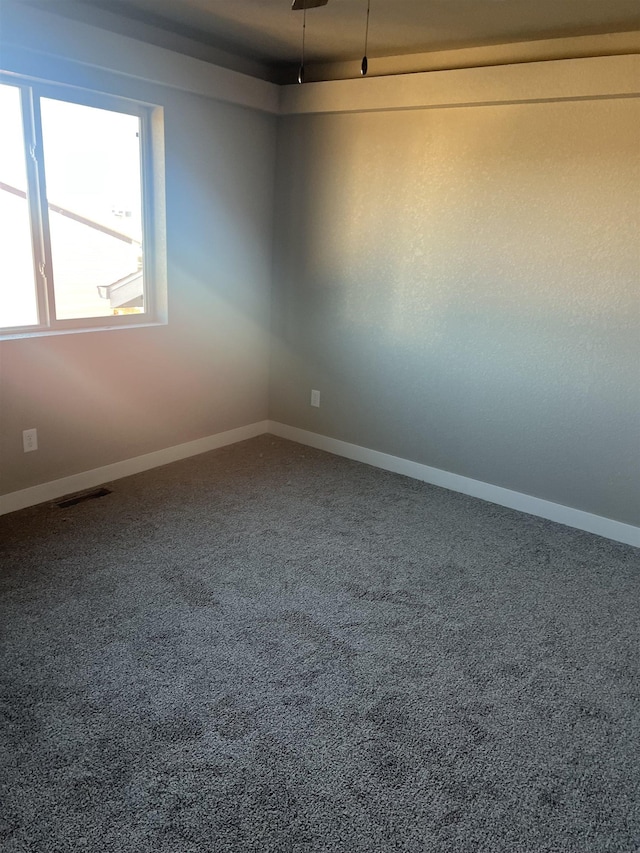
(153, 238)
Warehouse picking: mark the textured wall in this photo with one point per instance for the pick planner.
(98, 398)
(462, 285)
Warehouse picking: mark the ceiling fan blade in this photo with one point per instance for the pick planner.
(299, 5)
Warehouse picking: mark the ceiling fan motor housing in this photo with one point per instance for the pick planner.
(299, 5)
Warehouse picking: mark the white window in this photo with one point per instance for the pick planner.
(80, 210)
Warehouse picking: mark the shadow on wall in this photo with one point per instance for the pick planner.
(462, 285)
(219, 197)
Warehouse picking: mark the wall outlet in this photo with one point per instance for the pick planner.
(315, 399)
(29, 439)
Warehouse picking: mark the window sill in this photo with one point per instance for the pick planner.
(46, 333)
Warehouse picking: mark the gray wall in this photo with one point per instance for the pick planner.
(102, 397)
(462, 287)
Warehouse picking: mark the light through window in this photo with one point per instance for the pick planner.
(94, 192)
(74, 209)
(18, 304)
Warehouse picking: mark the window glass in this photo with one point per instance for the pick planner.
(94, 194)
(18, 302)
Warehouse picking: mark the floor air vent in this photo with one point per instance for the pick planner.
(72, 500)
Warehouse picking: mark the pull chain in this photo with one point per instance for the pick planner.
(304, 27)
(365, 62)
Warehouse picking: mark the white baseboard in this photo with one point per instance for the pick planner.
(607, 527)
(96, 477)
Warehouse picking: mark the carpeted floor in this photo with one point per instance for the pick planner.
(268, 648)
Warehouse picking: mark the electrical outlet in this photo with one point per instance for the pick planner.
(29, 439)
(315, 399)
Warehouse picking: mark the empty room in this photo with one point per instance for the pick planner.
(319, 426)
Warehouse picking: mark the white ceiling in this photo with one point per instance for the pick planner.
(268, 32)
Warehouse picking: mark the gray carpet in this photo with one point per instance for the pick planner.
(268, 648)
